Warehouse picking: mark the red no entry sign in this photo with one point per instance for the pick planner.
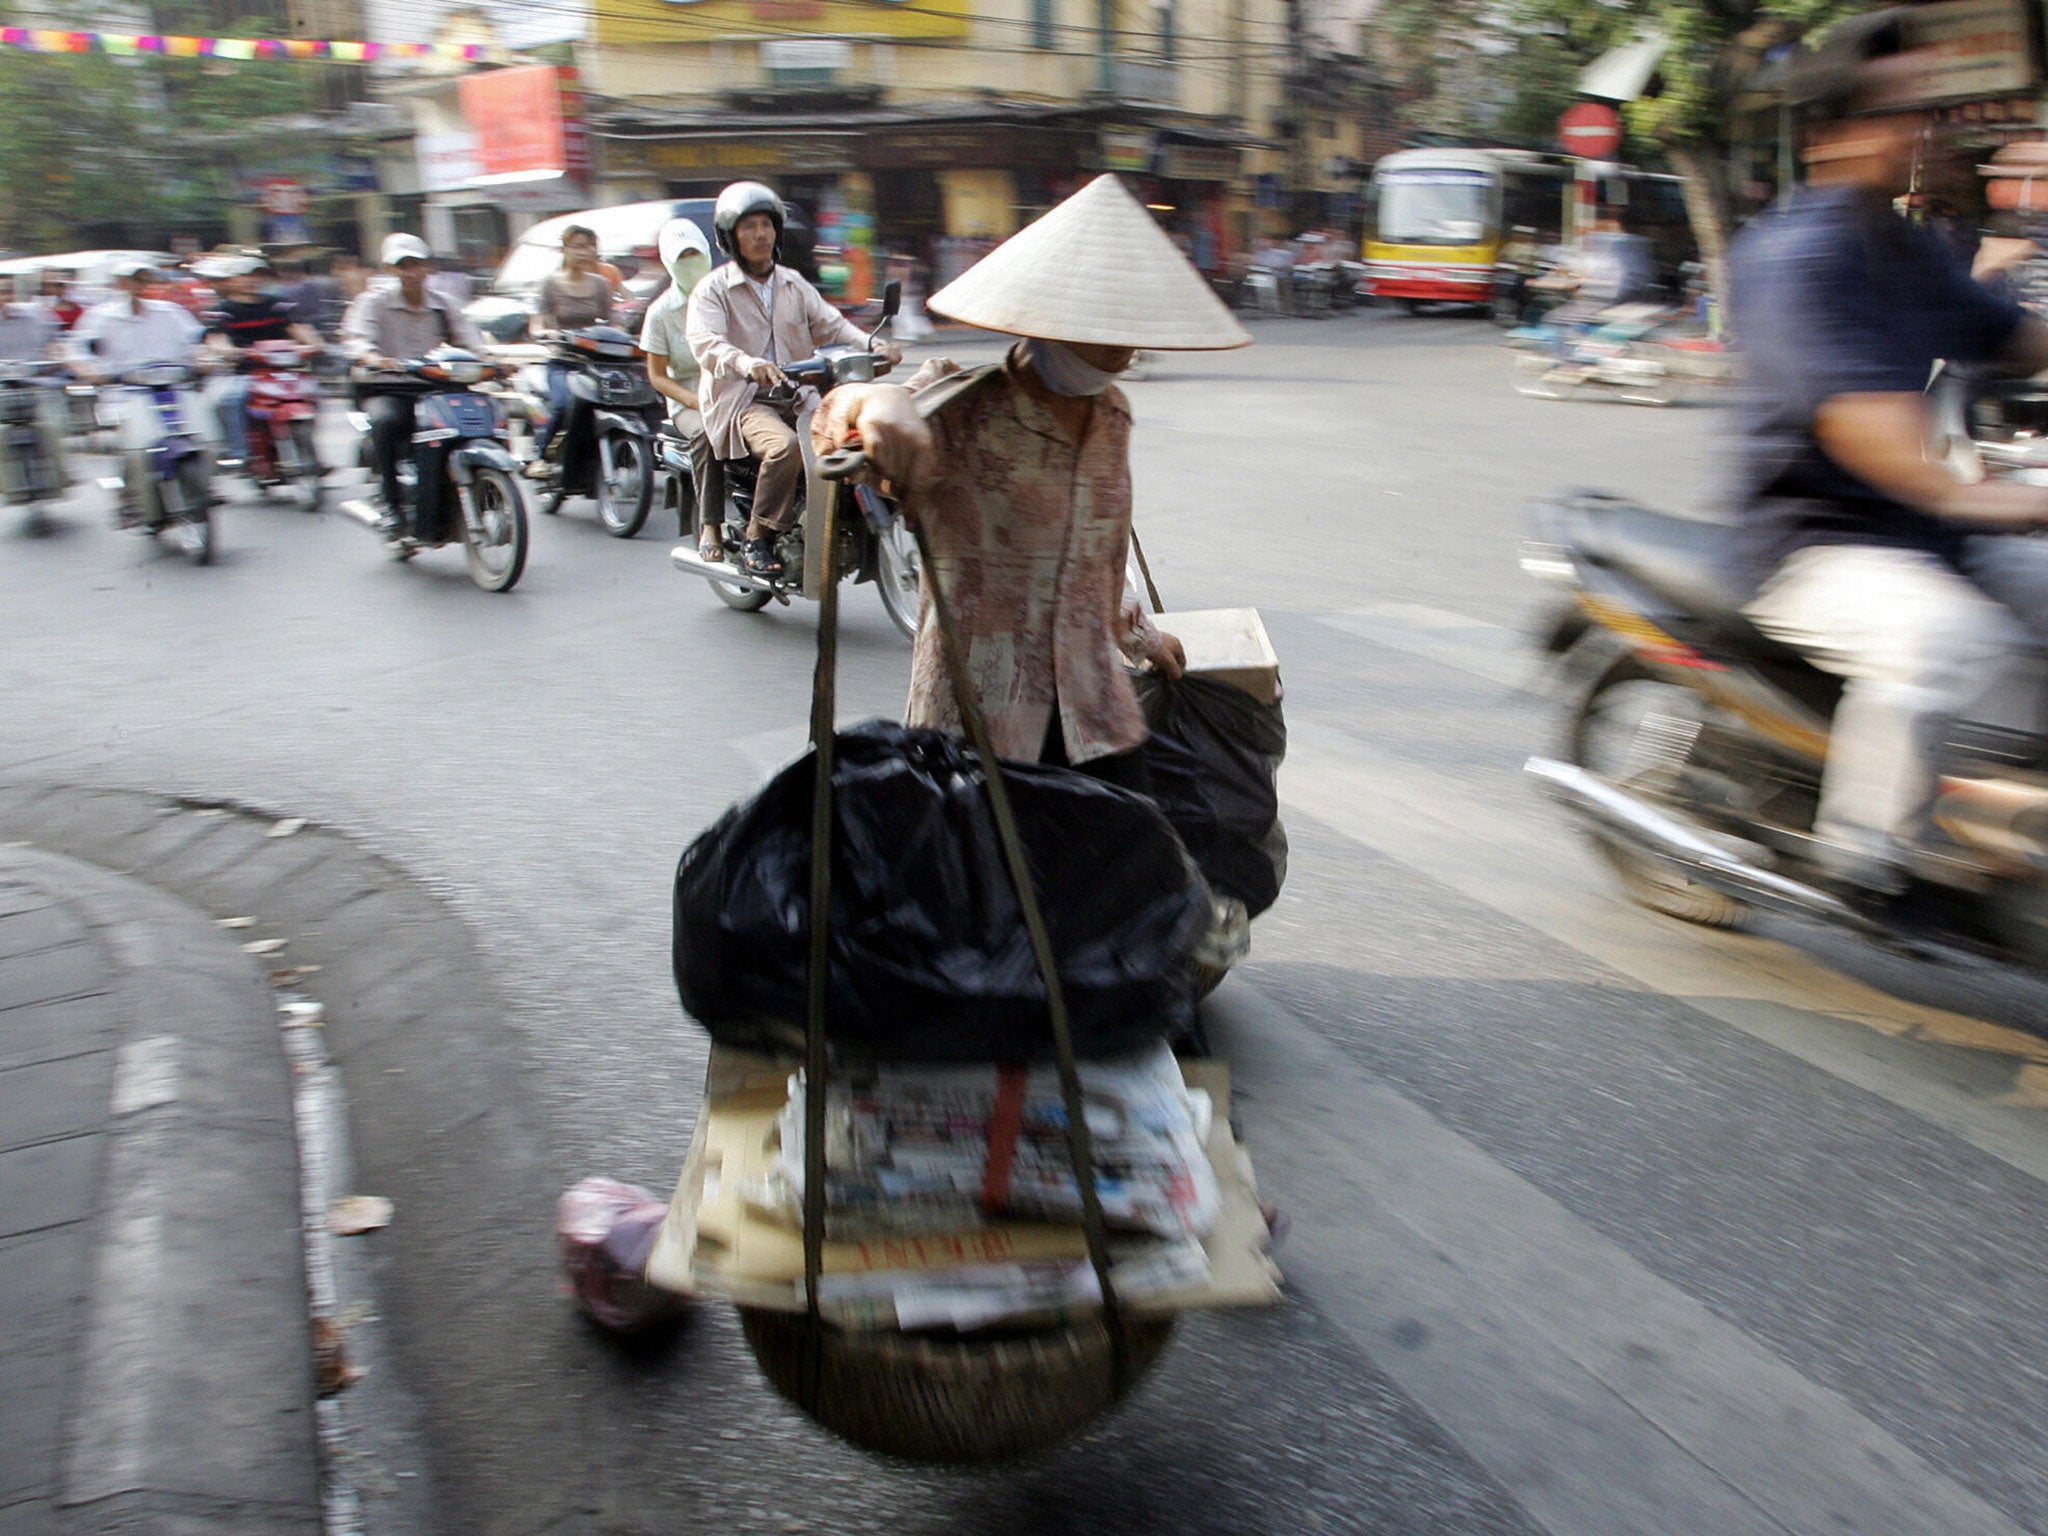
(1591, 130)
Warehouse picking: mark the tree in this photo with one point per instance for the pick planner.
(1712, 51)
(94, 147)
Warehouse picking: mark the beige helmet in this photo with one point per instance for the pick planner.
(1098, 270)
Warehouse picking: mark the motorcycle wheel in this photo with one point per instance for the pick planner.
(897, 579)
(1613, 735)
(190, 523)
(625, 488)
(494, 530)
(744, 599)
(305, 468)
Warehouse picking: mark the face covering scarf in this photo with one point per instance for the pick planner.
(1062, 370)
(689, 269)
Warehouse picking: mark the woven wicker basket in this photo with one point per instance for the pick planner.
(948, 1399)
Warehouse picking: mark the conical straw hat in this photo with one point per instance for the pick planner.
(1096, 269)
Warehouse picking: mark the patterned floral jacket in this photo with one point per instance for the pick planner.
(1029, 531)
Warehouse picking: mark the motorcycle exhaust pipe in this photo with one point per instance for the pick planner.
(684, 557)
(1664, 838)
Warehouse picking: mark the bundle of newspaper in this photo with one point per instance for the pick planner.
(918, 1149)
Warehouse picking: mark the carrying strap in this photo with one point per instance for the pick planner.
(1145, 570)
(816, 1053)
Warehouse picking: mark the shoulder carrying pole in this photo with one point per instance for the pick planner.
(1080, 1152)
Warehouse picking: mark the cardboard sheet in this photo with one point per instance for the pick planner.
(715, 1243)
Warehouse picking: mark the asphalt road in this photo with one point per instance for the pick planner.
(1600, 1223)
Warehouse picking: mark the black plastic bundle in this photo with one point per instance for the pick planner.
(1214, 754)
(930, 960)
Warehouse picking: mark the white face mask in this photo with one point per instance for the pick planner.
(1064, 371)
(689, 269)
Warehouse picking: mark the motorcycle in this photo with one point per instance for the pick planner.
(164, 461)
(31, 461)
(675, 485)
(283, 409)
(460, 482)
(1694, 743)
(874, 547)
(606, 443)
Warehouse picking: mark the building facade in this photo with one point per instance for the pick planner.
(935, 128)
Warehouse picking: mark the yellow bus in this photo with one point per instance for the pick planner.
(1437, 219)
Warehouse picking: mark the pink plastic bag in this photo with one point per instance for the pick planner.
(605, 1231)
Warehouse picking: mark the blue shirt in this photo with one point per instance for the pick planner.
(1836, 295)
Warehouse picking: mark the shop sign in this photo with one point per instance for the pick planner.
(697, 21)
(282, 196)
(694, 159)
(780, 53)
(528, 124)
(1126, 149)
(1184, 162)
(446, 160)
(1981, 48)
(941, 150)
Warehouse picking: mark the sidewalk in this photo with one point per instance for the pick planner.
(155, 1354)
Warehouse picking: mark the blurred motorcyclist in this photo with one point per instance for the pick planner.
(389, 323)
(672, 370)
(746, 320)
(1864, 552)
(244, 316)
(124, 333)
(28, 330)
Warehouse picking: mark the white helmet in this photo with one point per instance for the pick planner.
(676, 237)
(739, 200)
(403, 247)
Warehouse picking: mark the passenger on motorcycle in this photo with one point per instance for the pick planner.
(1864, 552)
(245, 316)
(127, 332)
(390, 322)
(746, 320)
(672, 370)
(1020, 478)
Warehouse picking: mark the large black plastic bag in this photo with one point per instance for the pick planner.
(1215, 752)
(930, 960)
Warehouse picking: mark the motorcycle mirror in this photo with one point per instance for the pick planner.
(892, 299)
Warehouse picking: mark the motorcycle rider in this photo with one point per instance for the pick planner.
(28, 330)
(126, 332)
(244, 316)
(28, 333)
(1021, 479)
(746, 320)
(672, 370)
(1862, 551)
(390, 322)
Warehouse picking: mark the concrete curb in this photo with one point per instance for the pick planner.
(454, 1311)
(191, 1405)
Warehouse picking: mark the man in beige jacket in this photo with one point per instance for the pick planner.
(746, 321)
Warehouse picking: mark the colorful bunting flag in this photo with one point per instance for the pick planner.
(127, 45)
